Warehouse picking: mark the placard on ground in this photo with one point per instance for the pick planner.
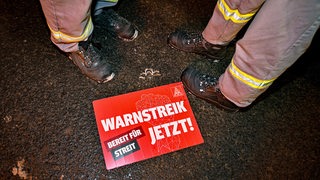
(140, 125)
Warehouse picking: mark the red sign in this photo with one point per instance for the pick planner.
(144, 124)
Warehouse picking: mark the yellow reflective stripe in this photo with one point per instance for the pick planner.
(61, 37)
(234, 15)
(247, 79)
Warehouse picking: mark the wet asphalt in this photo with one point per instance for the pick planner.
(48, 128)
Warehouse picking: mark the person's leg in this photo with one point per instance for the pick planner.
(116, 25)
(101, 4)
(279, 34)
(228, 17)
(69, 22)
(71, 28)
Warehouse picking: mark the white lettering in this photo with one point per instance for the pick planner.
(108, 124)
(162, 131)
(119, 122)
(118, 141)
(145, 115)
(180, 107)
(162, 111)
(128, 148)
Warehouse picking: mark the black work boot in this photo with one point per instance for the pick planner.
(116, 25)
(91, 63)
(195, 43)
(207, 88)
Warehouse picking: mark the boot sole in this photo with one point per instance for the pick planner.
(135, 35)
(109, 78)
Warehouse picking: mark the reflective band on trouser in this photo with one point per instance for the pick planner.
(248, 79)
(233, 15)
(61, 37)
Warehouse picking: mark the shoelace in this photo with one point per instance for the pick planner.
(207, 81)
(90, 55)
(194, 38)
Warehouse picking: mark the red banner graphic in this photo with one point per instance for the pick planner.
(144, 124)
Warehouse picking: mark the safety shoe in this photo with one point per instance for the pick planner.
(91, 63)
(207, 88)
(116, 25)
(195, 43)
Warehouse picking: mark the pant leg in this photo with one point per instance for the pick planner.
(279, 34)
(69, 22)
(103, 4)
(229, 16)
